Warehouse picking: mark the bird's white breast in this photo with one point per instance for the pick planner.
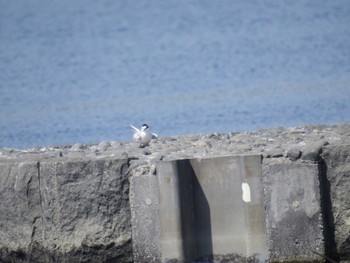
(146, 137)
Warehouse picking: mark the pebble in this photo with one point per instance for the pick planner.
(77, 147)
(115, 144)
(205, 143)
(293, 154)
(313, 150)
(214, 135)
(146, 153)
(103, 146)
(153, 170)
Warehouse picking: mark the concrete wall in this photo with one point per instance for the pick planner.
(77, 205)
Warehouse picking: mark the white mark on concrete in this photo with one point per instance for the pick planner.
(148, 201)
(246, 192)
(295, 203)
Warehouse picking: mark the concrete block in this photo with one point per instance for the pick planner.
(293, 210)
(229, 208)
(209, 210)
(86, 212)
(144, 204)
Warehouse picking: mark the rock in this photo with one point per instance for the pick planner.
(231, 134)
(77, 147)
(313, 150)
(343, 129)
(115, 144)
(214, 135)
(204, 144)
(103, 146)
(293, 154)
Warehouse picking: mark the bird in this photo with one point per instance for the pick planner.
(143, 136)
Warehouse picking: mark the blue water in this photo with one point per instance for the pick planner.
(82, 70)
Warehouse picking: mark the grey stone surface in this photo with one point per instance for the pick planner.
(76, 211)
(293, 212)
(337, 159)
(20, 212)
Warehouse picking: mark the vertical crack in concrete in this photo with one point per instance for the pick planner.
(41, 201)
(42, 213)
(31, 201)
(40, 195)
(28, 189)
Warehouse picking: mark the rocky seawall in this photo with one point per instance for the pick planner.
(77, 203)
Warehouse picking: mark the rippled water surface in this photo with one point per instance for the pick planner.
(81, 71)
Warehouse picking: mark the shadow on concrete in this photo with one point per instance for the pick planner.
(203, 228)
(327, 211)
(195, 216)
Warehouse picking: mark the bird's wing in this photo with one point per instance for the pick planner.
(134, 128)
(136, 136)
(154, 136)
